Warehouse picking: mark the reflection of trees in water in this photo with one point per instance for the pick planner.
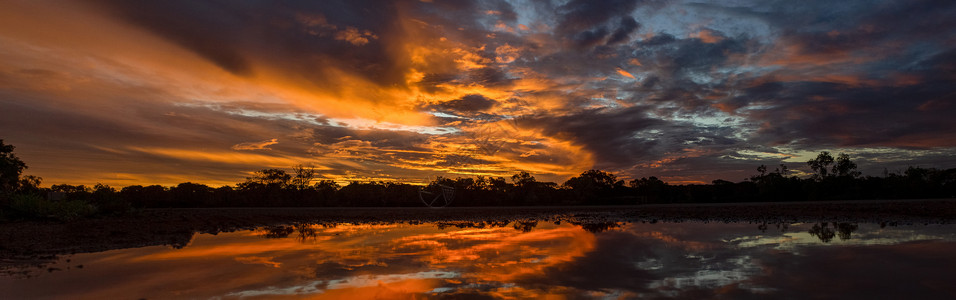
(278, 232)
(180, 239)
(31, 264)
(304, 231)
(526, 226)
(782, 227)
(485, 224)
(22, 267)
(530, 224)
(845, 229)
(825, 233)
(443, 225)
(598, 227)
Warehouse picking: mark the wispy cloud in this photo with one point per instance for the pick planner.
(263, 145)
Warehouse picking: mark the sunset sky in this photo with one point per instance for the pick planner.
(162, 92)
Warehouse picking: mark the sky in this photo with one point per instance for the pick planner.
(163, 92)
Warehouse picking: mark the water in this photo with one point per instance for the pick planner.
(517, 260)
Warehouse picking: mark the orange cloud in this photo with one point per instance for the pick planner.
(624, 73)
(263, 145)
(707, 36)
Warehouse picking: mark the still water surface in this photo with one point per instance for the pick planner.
(518, 260)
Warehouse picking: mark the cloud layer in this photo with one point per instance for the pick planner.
(130, 93)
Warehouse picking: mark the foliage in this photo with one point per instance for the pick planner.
(842, 166)
(31, 206)
(10, 168)
(821, 165)
(594, 186)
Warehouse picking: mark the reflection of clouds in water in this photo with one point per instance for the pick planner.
(489, 260)
(711, 275)
(268, 261)
(360, 281)
(689, 260)
(865, 234)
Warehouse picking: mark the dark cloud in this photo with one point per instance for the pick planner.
(467, 104)
(579, 15)
(607, 134)
(210, 30)
(818, 114)
(586, 39)
(624, 30)
(300, 37)
(584, 22)
(490, 77)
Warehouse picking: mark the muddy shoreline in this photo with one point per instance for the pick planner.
(20, 241)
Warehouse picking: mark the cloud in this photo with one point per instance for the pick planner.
(624, 30)
(680, 90)
(467, 104)
(625, 73)
(354, 36)
(263, 145)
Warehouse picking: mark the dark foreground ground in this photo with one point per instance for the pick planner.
(22, 242)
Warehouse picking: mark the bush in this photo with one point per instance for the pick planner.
(71, 210)
(28, 206)
(31, 206)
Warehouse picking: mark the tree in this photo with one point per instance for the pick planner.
(10, 168)
(821, 165)
(29, 184)
(595, 179)
(188, 194)
(303, 176)
(523, 179)
(650, 189)
(272, 178)
(593, 185)
(844, 167)
(775, 176)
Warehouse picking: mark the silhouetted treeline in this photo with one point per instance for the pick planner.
(833, 179)
(594, 187)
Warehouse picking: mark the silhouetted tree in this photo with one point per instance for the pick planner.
(499, 184)
(325, 193)
(524, 190)
(10, 168)
(593, 185)
(29, 184)
(523, 179)
(649, 189)
(146, 196)
(844, 167)
(269, 177)
(303, 176)
(190, 194)
(108, 201)
(821, 165)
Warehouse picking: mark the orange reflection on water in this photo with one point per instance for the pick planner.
(343, 261)
(508, 260)
(500, 254)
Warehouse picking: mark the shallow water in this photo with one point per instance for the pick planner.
(517, 260)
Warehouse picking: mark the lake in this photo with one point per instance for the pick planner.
(518, 259)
